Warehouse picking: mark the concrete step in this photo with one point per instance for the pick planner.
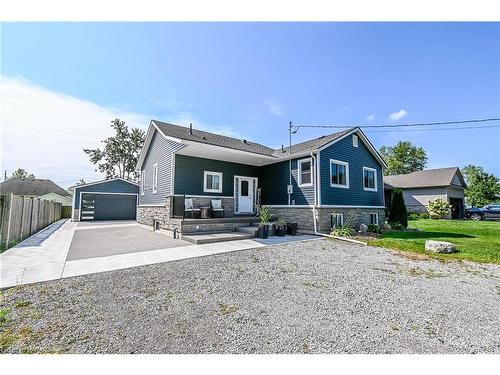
(248, 230)
(204, 238)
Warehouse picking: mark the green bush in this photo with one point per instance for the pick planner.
(418, 216)
(374, 228)
(397, 226)
(343, 231)
(438, 208)
(398, 214)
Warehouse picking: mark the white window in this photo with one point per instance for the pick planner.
(337, 220)
(369, 179)
(339, 174)
(143, 181)
(374, 218)
(355, 140)
(305, 172)
(155, 178)
(212, 182)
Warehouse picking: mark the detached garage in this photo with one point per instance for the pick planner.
(114, 199)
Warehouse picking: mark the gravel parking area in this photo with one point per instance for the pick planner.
(308, 297)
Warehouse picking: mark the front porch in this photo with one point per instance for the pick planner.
(212, 225)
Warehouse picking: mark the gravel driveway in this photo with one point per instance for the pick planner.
(313, 297)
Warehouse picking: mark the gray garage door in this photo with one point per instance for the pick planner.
(108, 207)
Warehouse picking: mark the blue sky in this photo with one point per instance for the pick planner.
(249, 79)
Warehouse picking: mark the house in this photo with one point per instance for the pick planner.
(331, 180)
(420, 187)
(36, 188)
(111, 199)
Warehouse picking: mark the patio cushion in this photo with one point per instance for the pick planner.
(217, 204)
(188, 205)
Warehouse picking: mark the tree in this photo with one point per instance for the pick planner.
(403, 158)
(398, 214)
(21, 173)
(481, 186)
(119, 155)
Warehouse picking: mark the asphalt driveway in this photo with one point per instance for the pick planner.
(100, 239)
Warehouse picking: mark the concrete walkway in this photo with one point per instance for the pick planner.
(48, 261)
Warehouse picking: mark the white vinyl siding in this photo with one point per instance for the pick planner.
(305, 172)
(339, 174)
(370, 179)
(212, 182)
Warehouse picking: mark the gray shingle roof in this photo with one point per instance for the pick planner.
(36, 187)
(182, 132)
(425, 178)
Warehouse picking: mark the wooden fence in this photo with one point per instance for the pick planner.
(21, 217)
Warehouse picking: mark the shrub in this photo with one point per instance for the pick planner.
(397, 226)
(418, 216)
(438, 208)
(398, 214)
(343, 231)
(374, 228)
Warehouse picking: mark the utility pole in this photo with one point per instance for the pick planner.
(5, 175)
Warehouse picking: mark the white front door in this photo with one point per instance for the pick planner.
(245, 195)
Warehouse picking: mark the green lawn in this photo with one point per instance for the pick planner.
(478, 241)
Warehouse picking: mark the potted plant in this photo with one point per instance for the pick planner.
(264, 216)
(280, 227)
(291, 229)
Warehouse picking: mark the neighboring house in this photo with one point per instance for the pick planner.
(36, 188)
(112, 199)
(420, 187)
(327, 181)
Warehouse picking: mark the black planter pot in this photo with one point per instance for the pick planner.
(280, 230)
(291, 229)
(262, 232)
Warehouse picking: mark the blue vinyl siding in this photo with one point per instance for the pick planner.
(189, 174)
(116, 186)
(357, 157)
(160, 151)
(275, 179)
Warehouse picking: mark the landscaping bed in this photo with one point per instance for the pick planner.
(321, 296)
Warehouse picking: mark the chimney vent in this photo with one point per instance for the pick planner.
(244, 141)
(191, 128)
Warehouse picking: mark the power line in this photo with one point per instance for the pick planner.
(427, 130)
(400, 125)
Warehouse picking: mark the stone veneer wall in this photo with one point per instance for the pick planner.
(76, 214)
(303, 216)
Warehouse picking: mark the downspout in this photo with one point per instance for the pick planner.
(313, 156)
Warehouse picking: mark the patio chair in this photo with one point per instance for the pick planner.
(189, 207)
(216, 206)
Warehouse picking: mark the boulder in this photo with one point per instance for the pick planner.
(363, 228)
(441, 247)
(386, 226)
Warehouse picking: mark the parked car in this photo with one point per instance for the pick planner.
(491, 211)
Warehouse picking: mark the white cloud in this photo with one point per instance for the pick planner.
(45, 132)
(396, 116)
(274, 107)
(370, 117)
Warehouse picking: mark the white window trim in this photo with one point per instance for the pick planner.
(346, 164)
(143, 181)
(205, 174)
(370, 217)
(155, 178)
(299, 171)
(355, 140)
(341, 217)
(374, 179)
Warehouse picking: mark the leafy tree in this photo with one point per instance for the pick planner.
(398, 214)
(21, 173)
(403, 158)
(438, 208)
(481, 186)
(119, 155)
